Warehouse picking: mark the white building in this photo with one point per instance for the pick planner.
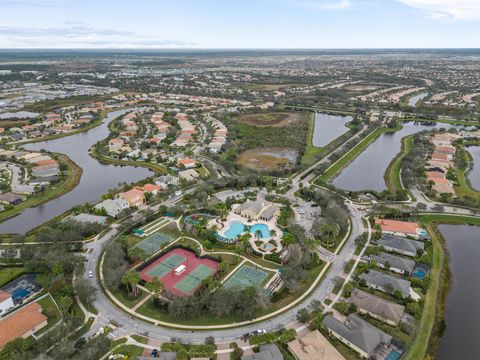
(6, 302)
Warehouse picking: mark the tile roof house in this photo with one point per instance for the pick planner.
(22, 323)
(150, 188)
(356, 333)
(400, 228)
(134, 197)
(386, 283)
(394, 263)
(377, 307)
(186, 163)
(313, 346)
(401, 245)
(267, 352)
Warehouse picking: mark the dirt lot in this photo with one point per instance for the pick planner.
(275, 119)
(268, 159)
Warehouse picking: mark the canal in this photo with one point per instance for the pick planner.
(461, 336)
(367, 171)
(415, 99)
(328, 127)
(96, 179)
(474, 174)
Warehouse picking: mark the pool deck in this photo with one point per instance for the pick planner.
(271, 225)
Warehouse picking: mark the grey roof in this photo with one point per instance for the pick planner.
(88, 218)
(11, 197)
(267, 352)
(358, 332)
(383, 280)
(401, 243)
(397, 262)
(376, 305)
(269, 212)
(254, 206)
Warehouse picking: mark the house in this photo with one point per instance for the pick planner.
(115, 144)
(22, 323)
(267, 352)
(6, 302)
(12, 199)
(257, 210)
(150, 188)
(166, 180)
(313, 346)
(357, 334)
(186, 163)
(112, 207)
(134, 197)
(377, 307)
(386, 283)
(394, 263)
(401, 245)
(401, 228)
(189, 175)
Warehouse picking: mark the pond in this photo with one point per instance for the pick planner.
(474, 174)
(96, 179)
(366, 172)
(413, 101)
(328, 127)
(461, 336)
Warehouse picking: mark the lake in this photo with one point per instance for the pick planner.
(366, 172)
(328, 127)
(461, 336)
(96, 179)
(474, 174)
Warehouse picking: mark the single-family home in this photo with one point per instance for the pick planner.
(113, 207)
(394, 263)
(401, 228)
(377, 307)
(115, 144)
(267, 352)
(166, 180)
(11, 198)
(386, 283)
(22, 323)
(150, 188)
(357, 334)
(189, 175)
(134, 197)
(186, 163)
(313, 346)
(401, 245)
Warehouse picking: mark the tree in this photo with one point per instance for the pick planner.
(64, 303)
(131, 279)
(156, 287)
(85, 292)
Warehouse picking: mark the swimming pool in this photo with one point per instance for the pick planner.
(420, 272)
(394, 355)
(237, 228)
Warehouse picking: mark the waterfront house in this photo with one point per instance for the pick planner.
(386, 283)
(394, 263)
(134, 197)
(377, 307)
(401, 245)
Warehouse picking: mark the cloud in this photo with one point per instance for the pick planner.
(323, 4)
(80, 36)
(447, 9)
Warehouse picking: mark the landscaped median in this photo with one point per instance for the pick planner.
(392, 176)
(433, 308)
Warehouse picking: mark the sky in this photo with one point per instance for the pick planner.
(230, 24)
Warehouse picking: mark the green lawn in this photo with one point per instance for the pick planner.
(129, 300)
(50, 310)
(311, 153)
(463, 188)
(7, 274)
(392, 174)
(131, 351)
(354, 152)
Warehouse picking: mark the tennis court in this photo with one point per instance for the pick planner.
(194, 279)
(246, 276)
(154, 242)
(165, 266)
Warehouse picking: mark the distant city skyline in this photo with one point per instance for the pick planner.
(306, 24)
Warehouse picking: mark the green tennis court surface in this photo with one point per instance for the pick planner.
(245, 277)
(154, 242)
(193, 280)
(163, 268)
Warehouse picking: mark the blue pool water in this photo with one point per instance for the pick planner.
(419, 272)
(237, 228)
(394, 355)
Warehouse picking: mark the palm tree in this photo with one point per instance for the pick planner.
(156, 287)
(131, 279)
(258, 234)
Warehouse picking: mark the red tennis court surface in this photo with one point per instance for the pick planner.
(189, 280)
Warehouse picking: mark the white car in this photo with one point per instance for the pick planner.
(90, 274)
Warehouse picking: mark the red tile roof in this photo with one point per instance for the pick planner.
(398, 226)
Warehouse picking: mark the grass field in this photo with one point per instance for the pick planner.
(50, 310)
(464, 188)
(311, 153)
(7, 274)
(392, 174)
(74, 174)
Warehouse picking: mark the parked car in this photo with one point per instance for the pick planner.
(90, 274)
